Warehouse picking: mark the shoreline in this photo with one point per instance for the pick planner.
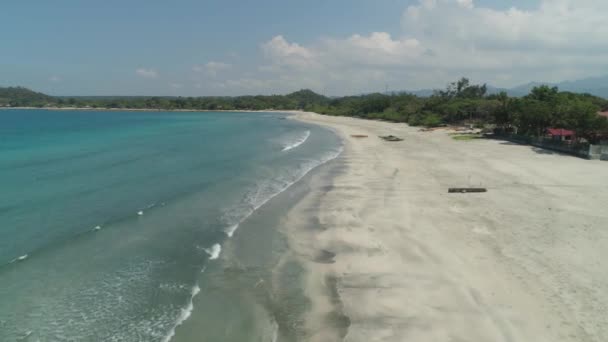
(408, 261)
(260, 263)
(147, 110)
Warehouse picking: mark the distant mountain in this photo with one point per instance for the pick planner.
(524, 89)
(430, 92)
(597, 86)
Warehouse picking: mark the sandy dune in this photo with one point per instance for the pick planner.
(527, 261)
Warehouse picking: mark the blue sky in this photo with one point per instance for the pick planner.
(260, 47)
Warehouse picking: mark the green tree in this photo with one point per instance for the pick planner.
(544, 93)
(532, 116)
(502, 115)
(582, 117)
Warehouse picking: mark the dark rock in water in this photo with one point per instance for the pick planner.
(325, 257)
(391, 138)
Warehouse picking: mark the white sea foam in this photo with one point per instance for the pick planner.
(214, 251)
(230, 230)
(275, 331)
(18, 259)
(97, 228)
(184, 314)
(263, 193)
(150, 206)
(297, 142)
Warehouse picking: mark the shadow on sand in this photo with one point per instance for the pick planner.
(536, 149)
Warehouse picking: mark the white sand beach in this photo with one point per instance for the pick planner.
(526, 261)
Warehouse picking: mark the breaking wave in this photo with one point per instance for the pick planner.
(267, 190)
(214, 251)
(184, 314)
(297, 142)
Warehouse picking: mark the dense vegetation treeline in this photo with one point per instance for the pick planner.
(460, 102)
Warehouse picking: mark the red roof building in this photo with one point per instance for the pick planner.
(560, 134)
(604, 114)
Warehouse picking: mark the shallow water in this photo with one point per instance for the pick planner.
(114, 216)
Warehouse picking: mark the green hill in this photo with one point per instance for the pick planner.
(307, 97)
(23, 97)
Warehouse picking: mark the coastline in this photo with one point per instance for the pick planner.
(256, 273)
(391, 256)
(189, 232)
(100, 109)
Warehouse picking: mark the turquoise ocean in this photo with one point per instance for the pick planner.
(150, 226)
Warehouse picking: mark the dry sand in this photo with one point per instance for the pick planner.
(526, 261)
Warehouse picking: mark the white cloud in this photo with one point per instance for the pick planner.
(55, 79)
(336, 66)
(146, 73)
(465, 3)
(557, 40)
(212, 68)
(176, 85)
(377, 49)
(440, 41)
(556, 24)
(280, 51)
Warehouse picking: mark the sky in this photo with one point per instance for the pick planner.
(334, 47)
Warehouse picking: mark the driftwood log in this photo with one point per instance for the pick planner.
(466, 190)
(391, 138)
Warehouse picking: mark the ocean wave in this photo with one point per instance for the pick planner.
(80, 233)
(150, 206)
(173, 288)
(214, 251)
(297, 142)
(141, 211)
(184, 314)
(21, 258)
(109, 297)
(266, 191)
